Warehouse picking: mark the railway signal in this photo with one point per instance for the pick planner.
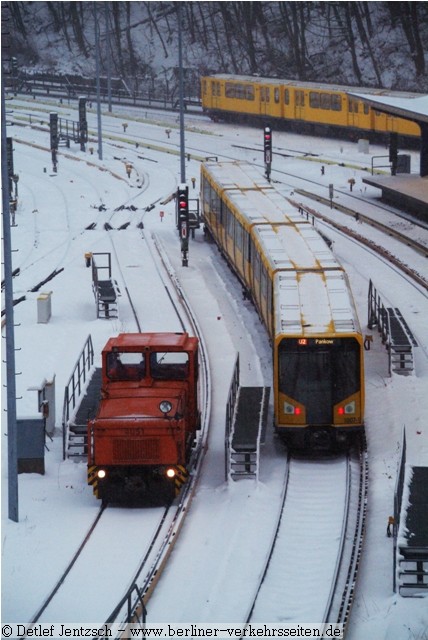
(83, 124)
(393, 152)
(267, 140)
(53, 126)
(183, 221)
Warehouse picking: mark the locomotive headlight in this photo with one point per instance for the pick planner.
(165, 406)
(350, 407)
(290, 409)
(347, 409)
(101, 473)
(170, 472)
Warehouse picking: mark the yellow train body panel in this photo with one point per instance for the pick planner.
(303, 298)
(295, 102)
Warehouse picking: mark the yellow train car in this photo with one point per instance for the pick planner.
(301, 106)
(303, 298)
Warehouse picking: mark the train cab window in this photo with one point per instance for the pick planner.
(286, 96)
(204, 87)
(167, 365)
(276, 94)
(314, 99)
(122, 366)
(249, 92)
(366, 108)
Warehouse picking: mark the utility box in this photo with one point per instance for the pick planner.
(44, 308)
(363, 145)
(31, 445)
(403, 163)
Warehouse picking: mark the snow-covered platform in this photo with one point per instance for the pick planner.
(413, 541)
(409, 193)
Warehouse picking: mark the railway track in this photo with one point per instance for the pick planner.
(377, 248)
(143, 584)
(419, 247)
(138, 553)
(311, 570)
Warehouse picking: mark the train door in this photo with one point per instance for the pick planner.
(215, 94)
(353, 113)
(299, 104)
(391, 123)
(265, 98)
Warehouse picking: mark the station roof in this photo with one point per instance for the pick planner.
(410, 107)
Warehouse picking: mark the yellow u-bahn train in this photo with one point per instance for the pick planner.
(303, 298)
(302, 106)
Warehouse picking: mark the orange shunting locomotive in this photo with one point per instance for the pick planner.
(142, 437)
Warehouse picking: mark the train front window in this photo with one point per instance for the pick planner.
(123, 366)
(318, 375)
(168, 365)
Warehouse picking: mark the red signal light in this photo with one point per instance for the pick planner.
(297, 411)
(341, 411)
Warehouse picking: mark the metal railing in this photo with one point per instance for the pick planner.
(398, 498)
(230, 410)
(76, 385)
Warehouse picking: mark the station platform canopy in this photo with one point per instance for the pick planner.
(410, 193)
(411, 108)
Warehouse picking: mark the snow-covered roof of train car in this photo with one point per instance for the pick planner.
(295, 247)
(252, 194)
(313, 303)
(237, 175)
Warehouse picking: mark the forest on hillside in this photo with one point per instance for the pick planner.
(379, 44)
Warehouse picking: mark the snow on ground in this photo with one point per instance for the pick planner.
(227, 523)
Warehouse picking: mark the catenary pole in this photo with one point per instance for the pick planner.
(108, 55)
(97, 71)
(181, 96)
(12, 435)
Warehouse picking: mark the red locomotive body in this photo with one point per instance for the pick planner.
(141, 438)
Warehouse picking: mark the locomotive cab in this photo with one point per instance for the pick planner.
(141, 439)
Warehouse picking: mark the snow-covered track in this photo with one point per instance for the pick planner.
(311, 570)
(343, 587)
(131, 607)
(135, 531)
(383, 253)
(147, 535)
